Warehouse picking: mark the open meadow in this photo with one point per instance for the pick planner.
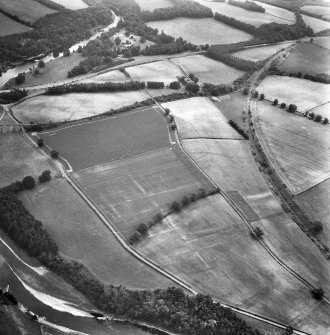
(261, 53)
(110, 138)
(208, 70)
(72, 4)
(10, 26)
(27, 10)
(153, 4)
(164, 71)
(198, 117)
(297, 147)
(73, 106)
(301, 92)
(134, 190)
(209, 247)
(307, 58)
(201, 31)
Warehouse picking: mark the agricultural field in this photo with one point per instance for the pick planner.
(9, 26)
(164, 71)
(208, 70)
(303, 93)
(272, 14)
(27, 10)
(261, 53)
(109, 139)
(201, 31)
(72, 4)
(133, 190)
(315, 203)
(153, 4)
(297, 147)
(307, 58)
(199, 118)
(209, 247)
(322, 41)
(115, 76)
(316, 24)
(318, 10)
(73, 106)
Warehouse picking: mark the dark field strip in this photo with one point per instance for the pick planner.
(97, 142)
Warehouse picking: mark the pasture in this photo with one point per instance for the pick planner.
(322, 41)
(318, 10)
(201, 31)
(209, 247)
(153, 4)
(115, 76)
(208, 70)
(27, 10)
(307, 58)
(73, 106)
(297, 148)
(198, 117)
(72, 4)
(133, 190)
(316, 24)
(261, 53)
(82, 236)
(10, 26)
(100, 141)
(272, 14)
(164, 71)
(303, 93)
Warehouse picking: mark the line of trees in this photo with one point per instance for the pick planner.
(238, 129)
(248, 5)
(155, 84)
(13, 95)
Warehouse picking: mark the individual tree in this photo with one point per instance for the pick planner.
(312, 115)
(192, 87)
(54, 154)
(135, 237)
(246, 91)
(258, 232)
(175, 85)
(325, 120)
(175, 206)
(143, 229)
(292, 108)
(275, 102)
(28, 182)
(40, 142)
(41, 64)
(283, 104)
(80, 49)
(56, 54)
(173, 126)
(317, 227)
(167, 111)
(262, 96)
(20, 79)
(185, 201)
(317, 293)
(191, 76)
(318, 118)
(45, 176)
(66, 53)
(196, 80)
(256, 94)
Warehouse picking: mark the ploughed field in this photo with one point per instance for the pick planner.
(96, 142)
(73, 106)
(208, 70)
(307, 58)
(26, 10)
(298, 148)
(201, 31)
(10, 26)
(303, 93)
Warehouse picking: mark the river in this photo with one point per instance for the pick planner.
(11, 73)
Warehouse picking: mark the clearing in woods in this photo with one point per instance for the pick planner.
(27, 10)
(153, 4)
(72, 4)
(100, 141)
(10, 26)
(208, 70)
(198, 117)
(298, 148)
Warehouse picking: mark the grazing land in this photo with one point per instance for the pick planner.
(322, 41)
(209, 247)
(307, 58)
(109, 139)
(10, 26)
(318, 10)
(201, 31)
(303, 93)
(297, 147)
(72, 4)
(199, 117)
(255, 18)
(73, 106)
(115, 76)
(151, 5)
(27, 10)
(261, 53)
(208, 70)
(316, 24)
(133, 190)
(164, 71)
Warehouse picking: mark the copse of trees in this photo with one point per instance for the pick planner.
(155, 84)
(175, 85)
(248, 5)
(212, 89)
(20, 79)
(14, 95)
(192, 87)
(249, 28)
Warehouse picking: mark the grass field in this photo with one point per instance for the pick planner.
(319, 10)
(153, 4)
(297, 147)
(307, 58)
(164, 71)
(116, 76)
(199, 117)
(261, 53)
(110, 138)
(27, 10)
(210, 248)
(73, 106)
(272, 14)
(9, 26)
(208, 70)
(304, 93)
(201, 31)
(322, 41)
(316, 24)
(72, 4)
(133, 190)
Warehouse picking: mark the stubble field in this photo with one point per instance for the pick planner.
(9, 26)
